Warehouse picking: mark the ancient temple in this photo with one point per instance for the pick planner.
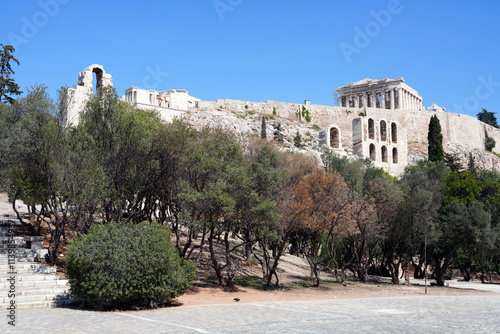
(382, 94)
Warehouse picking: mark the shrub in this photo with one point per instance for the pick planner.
(489, 143)
(316, 127)
(127, 266)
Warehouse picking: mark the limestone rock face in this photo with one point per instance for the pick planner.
(248, 123)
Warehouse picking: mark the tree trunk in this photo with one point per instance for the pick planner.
(215, 264)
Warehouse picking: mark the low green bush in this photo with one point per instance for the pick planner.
(127, 267)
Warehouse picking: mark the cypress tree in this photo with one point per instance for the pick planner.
(263, 132)
(435, 140)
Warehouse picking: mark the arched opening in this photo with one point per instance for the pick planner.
(96, 80)
(383, 130)
(371, 129)
(373, 153)
(384, 154)
(394, 132)
(394, 155)
(334, 138)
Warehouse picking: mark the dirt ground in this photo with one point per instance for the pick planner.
(353, 290)
(294, 286)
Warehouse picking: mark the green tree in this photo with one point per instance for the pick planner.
(263, 130)
(7, 84)
(297, 140)
(435, 140)
(278, 134)
(487, 117)
(489, 142)
(452, 161)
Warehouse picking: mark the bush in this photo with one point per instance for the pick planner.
(127, 267)
(489, 143)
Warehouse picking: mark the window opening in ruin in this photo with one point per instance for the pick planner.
(334, 138)
(135, 97)
(371, 129)
(387, 96)
(150, 98)
(384, 154)
(369, 100)
(383, 130)
(351, 101)
(396, 99)
(394, 133)
(394, 155)
(360, 101)
(373, 154)
(343, 101)
(96, 80)
(378, 101)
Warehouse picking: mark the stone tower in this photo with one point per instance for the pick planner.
(77, 97)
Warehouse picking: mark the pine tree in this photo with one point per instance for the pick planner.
(297, 140)
(487, 117)
(435, 140)
(263, 132)
(7, 84)
(277, 135)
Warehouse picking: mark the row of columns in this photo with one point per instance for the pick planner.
(390, 99)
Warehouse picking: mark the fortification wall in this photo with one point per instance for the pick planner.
(456, 128)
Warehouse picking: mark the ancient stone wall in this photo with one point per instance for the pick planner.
(456, 128)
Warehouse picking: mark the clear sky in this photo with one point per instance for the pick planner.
(257, 50)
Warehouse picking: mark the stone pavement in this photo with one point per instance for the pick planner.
(421, 314)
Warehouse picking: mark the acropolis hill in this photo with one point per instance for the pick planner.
(379, 119)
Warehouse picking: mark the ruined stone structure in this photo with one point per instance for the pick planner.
(77, 97)
(381, 94)
(376, 119)
(384, 142)
(169, 104)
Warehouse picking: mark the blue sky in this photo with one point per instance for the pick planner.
(257, 50)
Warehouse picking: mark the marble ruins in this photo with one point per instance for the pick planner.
(383, 94)
(375, 119)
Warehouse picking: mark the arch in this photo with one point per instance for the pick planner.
(384, 153)
(394, 132)
(334, 137)
(383, 130)
(98, 79)
(394, 155)
(371, 129)
(373, 153)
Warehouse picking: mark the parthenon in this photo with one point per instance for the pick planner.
(382, 94)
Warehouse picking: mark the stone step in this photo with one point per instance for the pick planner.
(35, 298)
(28, 277)
(32, 291)
(23, 267)
(46, 303)
(40, 283)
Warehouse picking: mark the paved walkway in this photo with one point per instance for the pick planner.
(422, 314)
